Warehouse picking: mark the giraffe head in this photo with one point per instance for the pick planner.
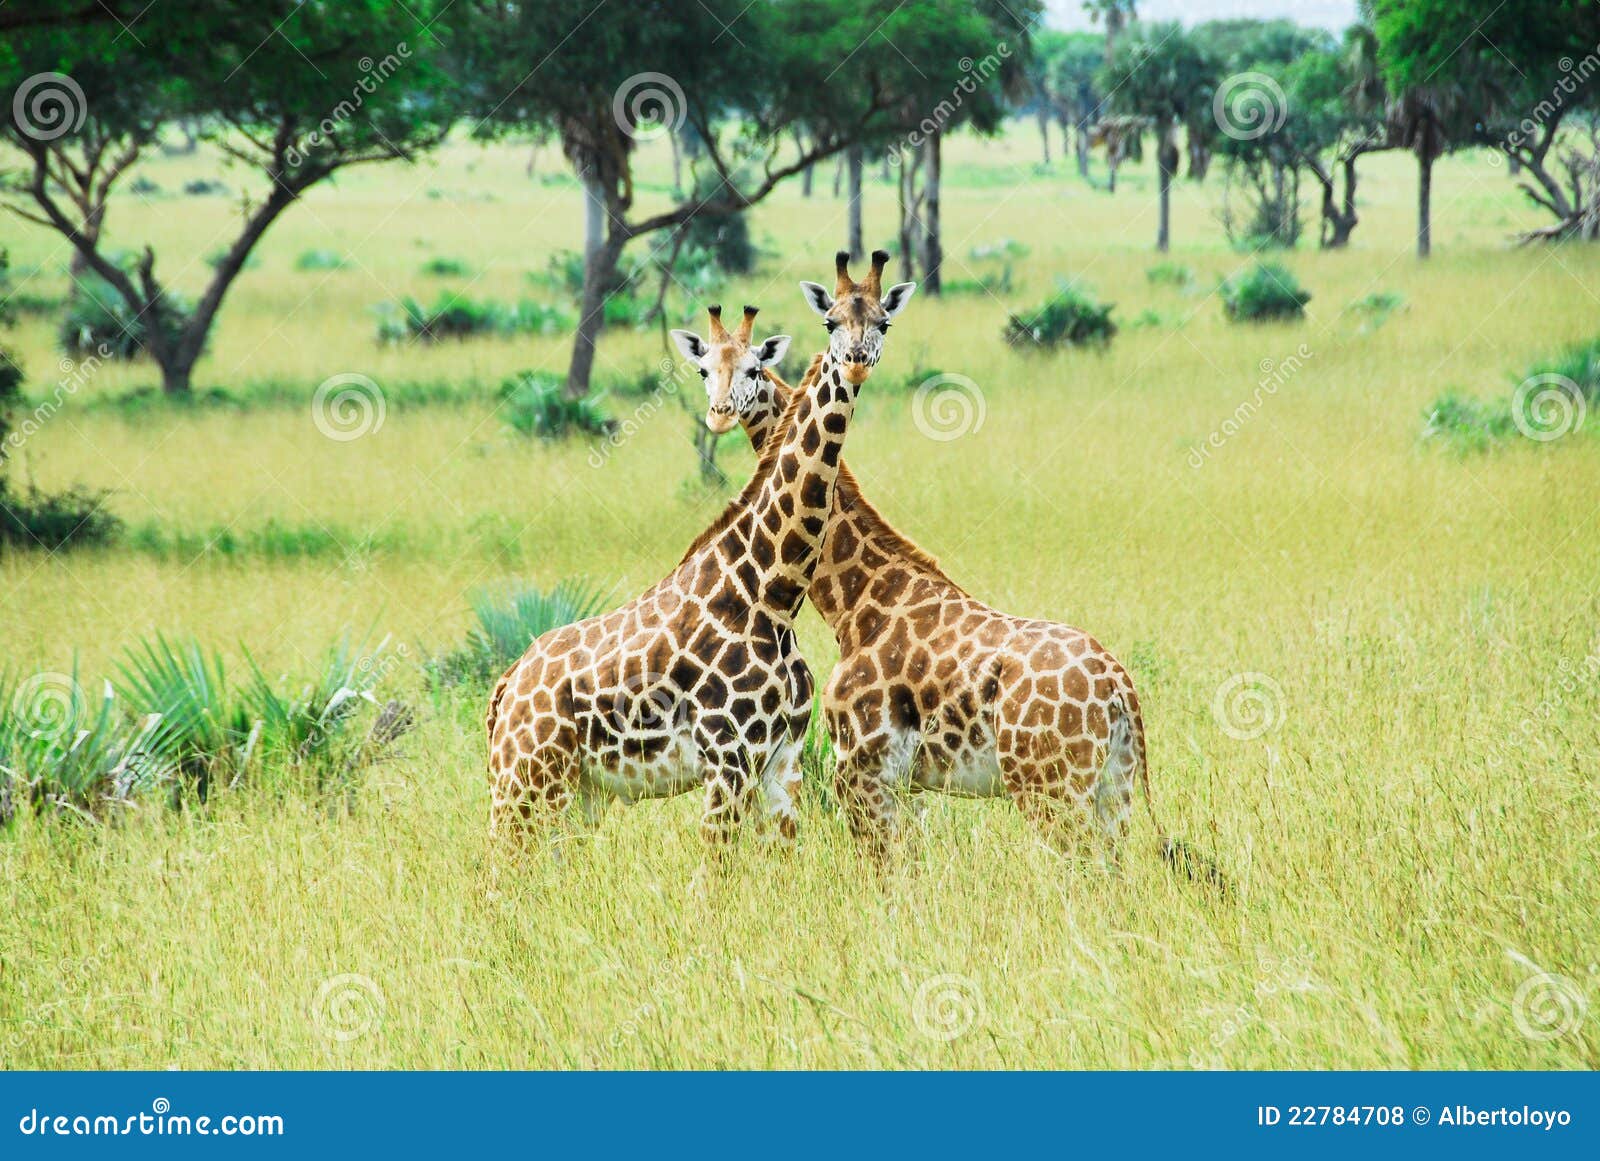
(857, 314)
(732, 368)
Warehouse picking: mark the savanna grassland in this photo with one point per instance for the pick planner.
(1403, 789)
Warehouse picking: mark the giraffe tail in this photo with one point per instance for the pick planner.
(1127, 731)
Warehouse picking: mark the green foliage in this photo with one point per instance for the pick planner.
(1170, 274)
(174, 723)
(443, 267)
(320, 260)
(1469, 424)
(50, 521)
(202, 187)
(455, 316)
(1578, 363)
(1070, 317)
(1264, 292)
(99, 322)
(1374, 309)
(980, 284)
(1008, 249)
(536, 404)
(508, 619)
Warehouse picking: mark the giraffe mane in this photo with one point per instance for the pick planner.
(875, 527)
(764, 466)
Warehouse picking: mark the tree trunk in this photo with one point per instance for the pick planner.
(1167, 162)
(855, 245)
(910, 223)
(1043, 117)
(599, 269)
(1080, 144)
(601, 252)
(677, 162)
(932, 241)
(1424, 202)
(838, 175)
(885, 170)
(176, 378)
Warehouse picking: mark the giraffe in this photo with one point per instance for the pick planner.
(698, 681)
(936, 691)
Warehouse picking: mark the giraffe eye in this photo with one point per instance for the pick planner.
(831, 325)
(704, 374)
(884, 326)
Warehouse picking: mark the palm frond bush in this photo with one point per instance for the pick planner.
(507, 619)
(99, 322)
(320, 260)
(454, 316)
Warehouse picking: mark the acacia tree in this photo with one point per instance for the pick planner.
(1162, 76)
(1524, 76)
(293, 92)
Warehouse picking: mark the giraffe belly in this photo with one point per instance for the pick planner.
(972, 771)
(675, 770)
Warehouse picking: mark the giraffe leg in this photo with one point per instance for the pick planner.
(780, 793)
(868, 801)
(528, 799)
(1046, 794)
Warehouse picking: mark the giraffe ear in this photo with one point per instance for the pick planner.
(773, 350)
(817, 297)
(690, 344)
(899, 294)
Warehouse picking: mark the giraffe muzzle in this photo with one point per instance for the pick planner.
(855, 373)
(721, 420)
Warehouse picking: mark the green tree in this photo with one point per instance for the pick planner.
(292, 92)
(1516, 78)
(1160, 75)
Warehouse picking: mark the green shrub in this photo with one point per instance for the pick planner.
(99, 322)
(55, 520)
(320, 260)
(1469, 424)
(1070, 317)
(508, 619)
(143, 186)
(1006, 248)
(454, 316)
(1579, 363)
(1374, 309)
(217, 256)
(980, 284)
(442, 267)
(725, 237)
(1266, 291)
(204, 187)
(536, 403)
(1170, 274)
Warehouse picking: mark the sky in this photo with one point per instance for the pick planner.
(1334, 15)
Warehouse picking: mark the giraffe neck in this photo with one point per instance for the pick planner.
(781, 533)
(860, 547)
